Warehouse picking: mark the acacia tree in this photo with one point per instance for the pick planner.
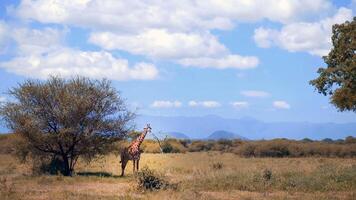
(339, 78)
(67, 119)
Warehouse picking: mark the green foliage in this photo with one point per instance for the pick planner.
(339, 78)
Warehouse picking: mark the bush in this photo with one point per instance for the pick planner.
(247, 150)
(201, 146)
(149, 180)
(177, 146)
(277, 148)
(267, 175)
(290, 148)
(350, 140)
(150, 146)
(217, 165)
(167, 148)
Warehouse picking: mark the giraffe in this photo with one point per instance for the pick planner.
(132, 152)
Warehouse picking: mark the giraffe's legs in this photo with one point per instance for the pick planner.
(134, 163)
(137, 164)
(123, 165)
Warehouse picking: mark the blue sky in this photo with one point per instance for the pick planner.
(228, 58)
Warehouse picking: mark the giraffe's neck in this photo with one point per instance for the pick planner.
(140, 138)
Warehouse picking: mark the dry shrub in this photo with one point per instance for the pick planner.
(247, 149)
(198, 145)
(150, 180)
(267, 175)
(217, 165)
(150, 146)
(290, 148)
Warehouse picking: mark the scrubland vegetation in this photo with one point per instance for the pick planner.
(218, 171)
(263, 148)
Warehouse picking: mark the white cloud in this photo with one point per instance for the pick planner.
(188, 49)
(206, 104)
(263, 37)
(41, 53)
(68, 62)
(193, 103)
(159, 43)
(281, 105)
(314, 38)
(179, 30)
(255, 93)
(37, 41)
(229, 61)
(240, 104)
(182, 15)
(166, 104)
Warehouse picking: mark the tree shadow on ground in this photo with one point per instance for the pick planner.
(98, 174)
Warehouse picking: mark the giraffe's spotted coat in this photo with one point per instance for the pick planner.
(132, 152)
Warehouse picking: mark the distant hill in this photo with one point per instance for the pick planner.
(178, 135)
(201, 127)
(171, 134)
(217, 135)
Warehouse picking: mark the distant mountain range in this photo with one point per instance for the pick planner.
(217, 135)
(208, 127)
(178, 135)
(162, 135)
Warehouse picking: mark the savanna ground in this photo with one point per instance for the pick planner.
(198, 175)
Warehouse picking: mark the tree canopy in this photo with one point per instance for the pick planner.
(67, 119)
(339, 78)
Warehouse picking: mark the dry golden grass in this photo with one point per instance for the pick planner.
(196, 175)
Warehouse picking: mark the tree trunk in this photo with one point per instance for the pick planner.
(67, 168)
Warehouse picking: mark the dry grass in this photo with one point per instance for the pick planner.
(237, 178)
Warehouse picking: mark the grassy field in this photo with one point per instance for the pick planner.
(203, 175)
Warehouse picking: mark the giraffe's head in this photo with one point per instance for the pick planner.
(148, 128)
